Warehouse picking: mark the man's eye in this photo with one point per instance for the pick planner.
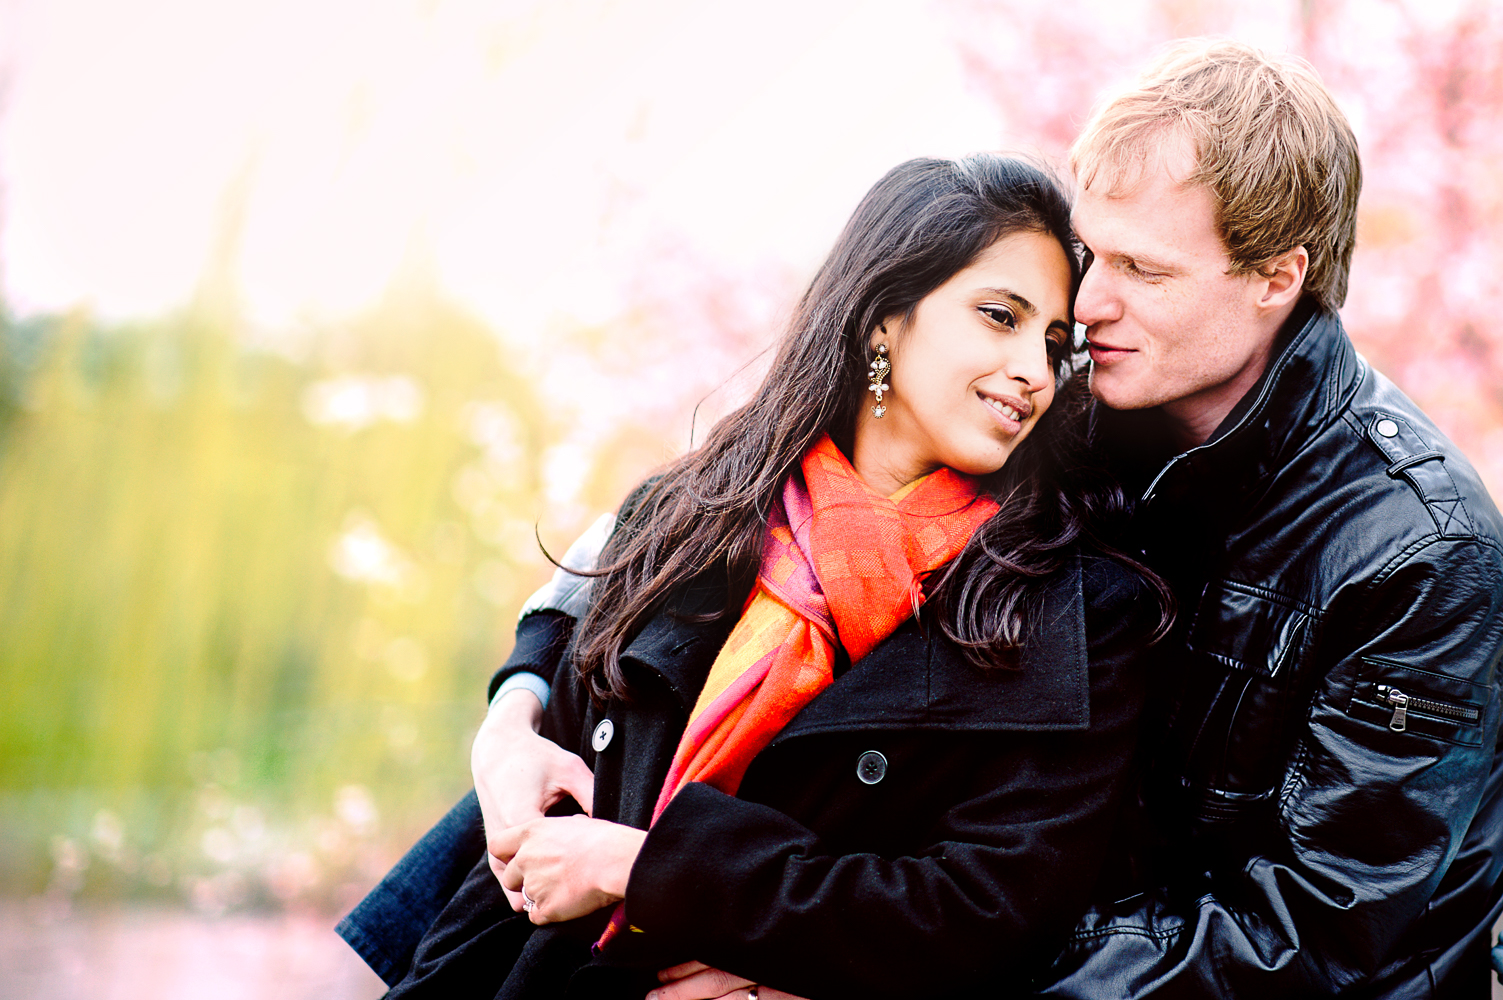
(1133, 269)
(1086, 260)
(1000, 315)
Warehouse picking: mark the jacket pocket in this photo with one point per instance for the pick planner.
(1410, 700)
(1248, 629)
(1234, 710)
(1235, 714)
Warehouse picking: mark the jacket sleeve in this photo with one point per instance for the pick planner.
(1006, 869)
(1367, 820)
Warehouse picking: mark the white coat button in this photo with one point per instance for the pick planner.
(1387, 428)
(871, 767)
(603, 734)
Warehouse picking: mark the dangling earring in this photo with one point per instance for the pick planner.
(878, 375)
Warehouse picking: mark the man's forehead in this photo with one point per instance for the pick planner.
(1162, 159)
(1162, 223)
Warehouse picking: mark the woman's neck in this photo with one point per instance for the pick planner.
(878, 458)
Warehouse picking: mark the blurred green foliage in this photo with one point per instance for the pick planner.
(249, 599)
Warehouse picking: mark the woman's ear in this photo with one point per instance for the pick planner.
(879, 336)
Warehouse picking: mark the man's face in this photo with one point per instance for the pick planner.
(1166, 324)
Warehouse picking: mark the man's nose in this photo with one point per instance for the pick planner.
(1094, 301)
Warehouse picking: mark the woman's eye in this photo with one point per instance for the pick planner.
(1000, 315)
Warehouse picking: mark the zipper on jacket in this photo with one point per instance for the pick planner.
(1402, 703)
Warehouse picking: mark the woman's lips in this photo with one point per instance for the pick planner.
(1010, 410)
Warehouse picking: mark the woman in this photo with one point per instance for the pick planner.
(858, 679)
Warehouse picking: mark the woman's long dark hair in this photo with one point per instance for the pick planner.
(922, 223)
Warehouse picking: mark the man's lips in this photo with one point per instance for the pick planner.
(1107, 353)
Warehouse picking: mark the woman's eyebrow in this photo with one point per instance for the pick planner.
(1024, 306)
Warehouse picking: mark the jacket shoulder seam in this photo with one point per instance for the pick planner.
(1413, 549)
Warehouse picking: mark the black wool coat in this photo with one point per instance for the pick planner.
(923, 828)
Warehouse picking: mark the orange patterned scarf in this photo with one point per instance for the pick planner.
(840, 565)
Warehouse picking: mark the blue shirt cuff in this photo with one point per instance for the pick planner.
(525, 681)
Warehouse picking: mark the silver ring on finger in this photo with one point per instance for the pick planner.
(528, 903)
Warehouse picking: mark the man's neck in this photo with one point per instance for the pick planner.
(1194, 419)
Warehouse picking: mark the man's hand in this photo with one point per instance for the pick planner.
(566, 866)
(697, 981)
(519, 774)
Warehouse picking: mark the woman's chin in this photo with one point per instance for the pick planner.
(981, 464)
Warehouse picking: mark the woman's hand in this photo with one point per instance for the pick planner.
(567, 865)
(519, 774)
(697, 981)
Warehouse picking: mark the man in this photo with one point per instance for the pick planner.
(1322, 790)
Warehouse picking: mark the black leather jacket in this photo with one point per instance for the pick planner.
(1323, 782)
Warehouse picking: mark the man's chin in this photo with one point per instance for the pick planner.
(1112, 391)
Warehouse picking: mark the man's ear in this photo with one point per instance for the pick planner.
(1284, 278)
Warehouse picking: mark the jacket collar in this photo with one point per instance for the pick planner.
(679, 643)
(1314, 373)
(911, 680)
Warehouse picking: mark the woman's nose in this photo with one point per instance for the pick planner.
(1031, 367)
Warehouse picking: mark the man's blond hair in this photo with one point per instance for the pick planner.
(1269, 142)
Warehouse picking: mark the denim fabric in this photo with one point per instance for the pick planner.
(1498, 958)
(384, 929)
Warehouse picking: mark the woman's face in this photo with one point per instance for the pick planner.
(970, 369)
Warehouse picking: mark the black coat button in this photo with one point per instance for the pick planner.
(603, 734)
(871, 767)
